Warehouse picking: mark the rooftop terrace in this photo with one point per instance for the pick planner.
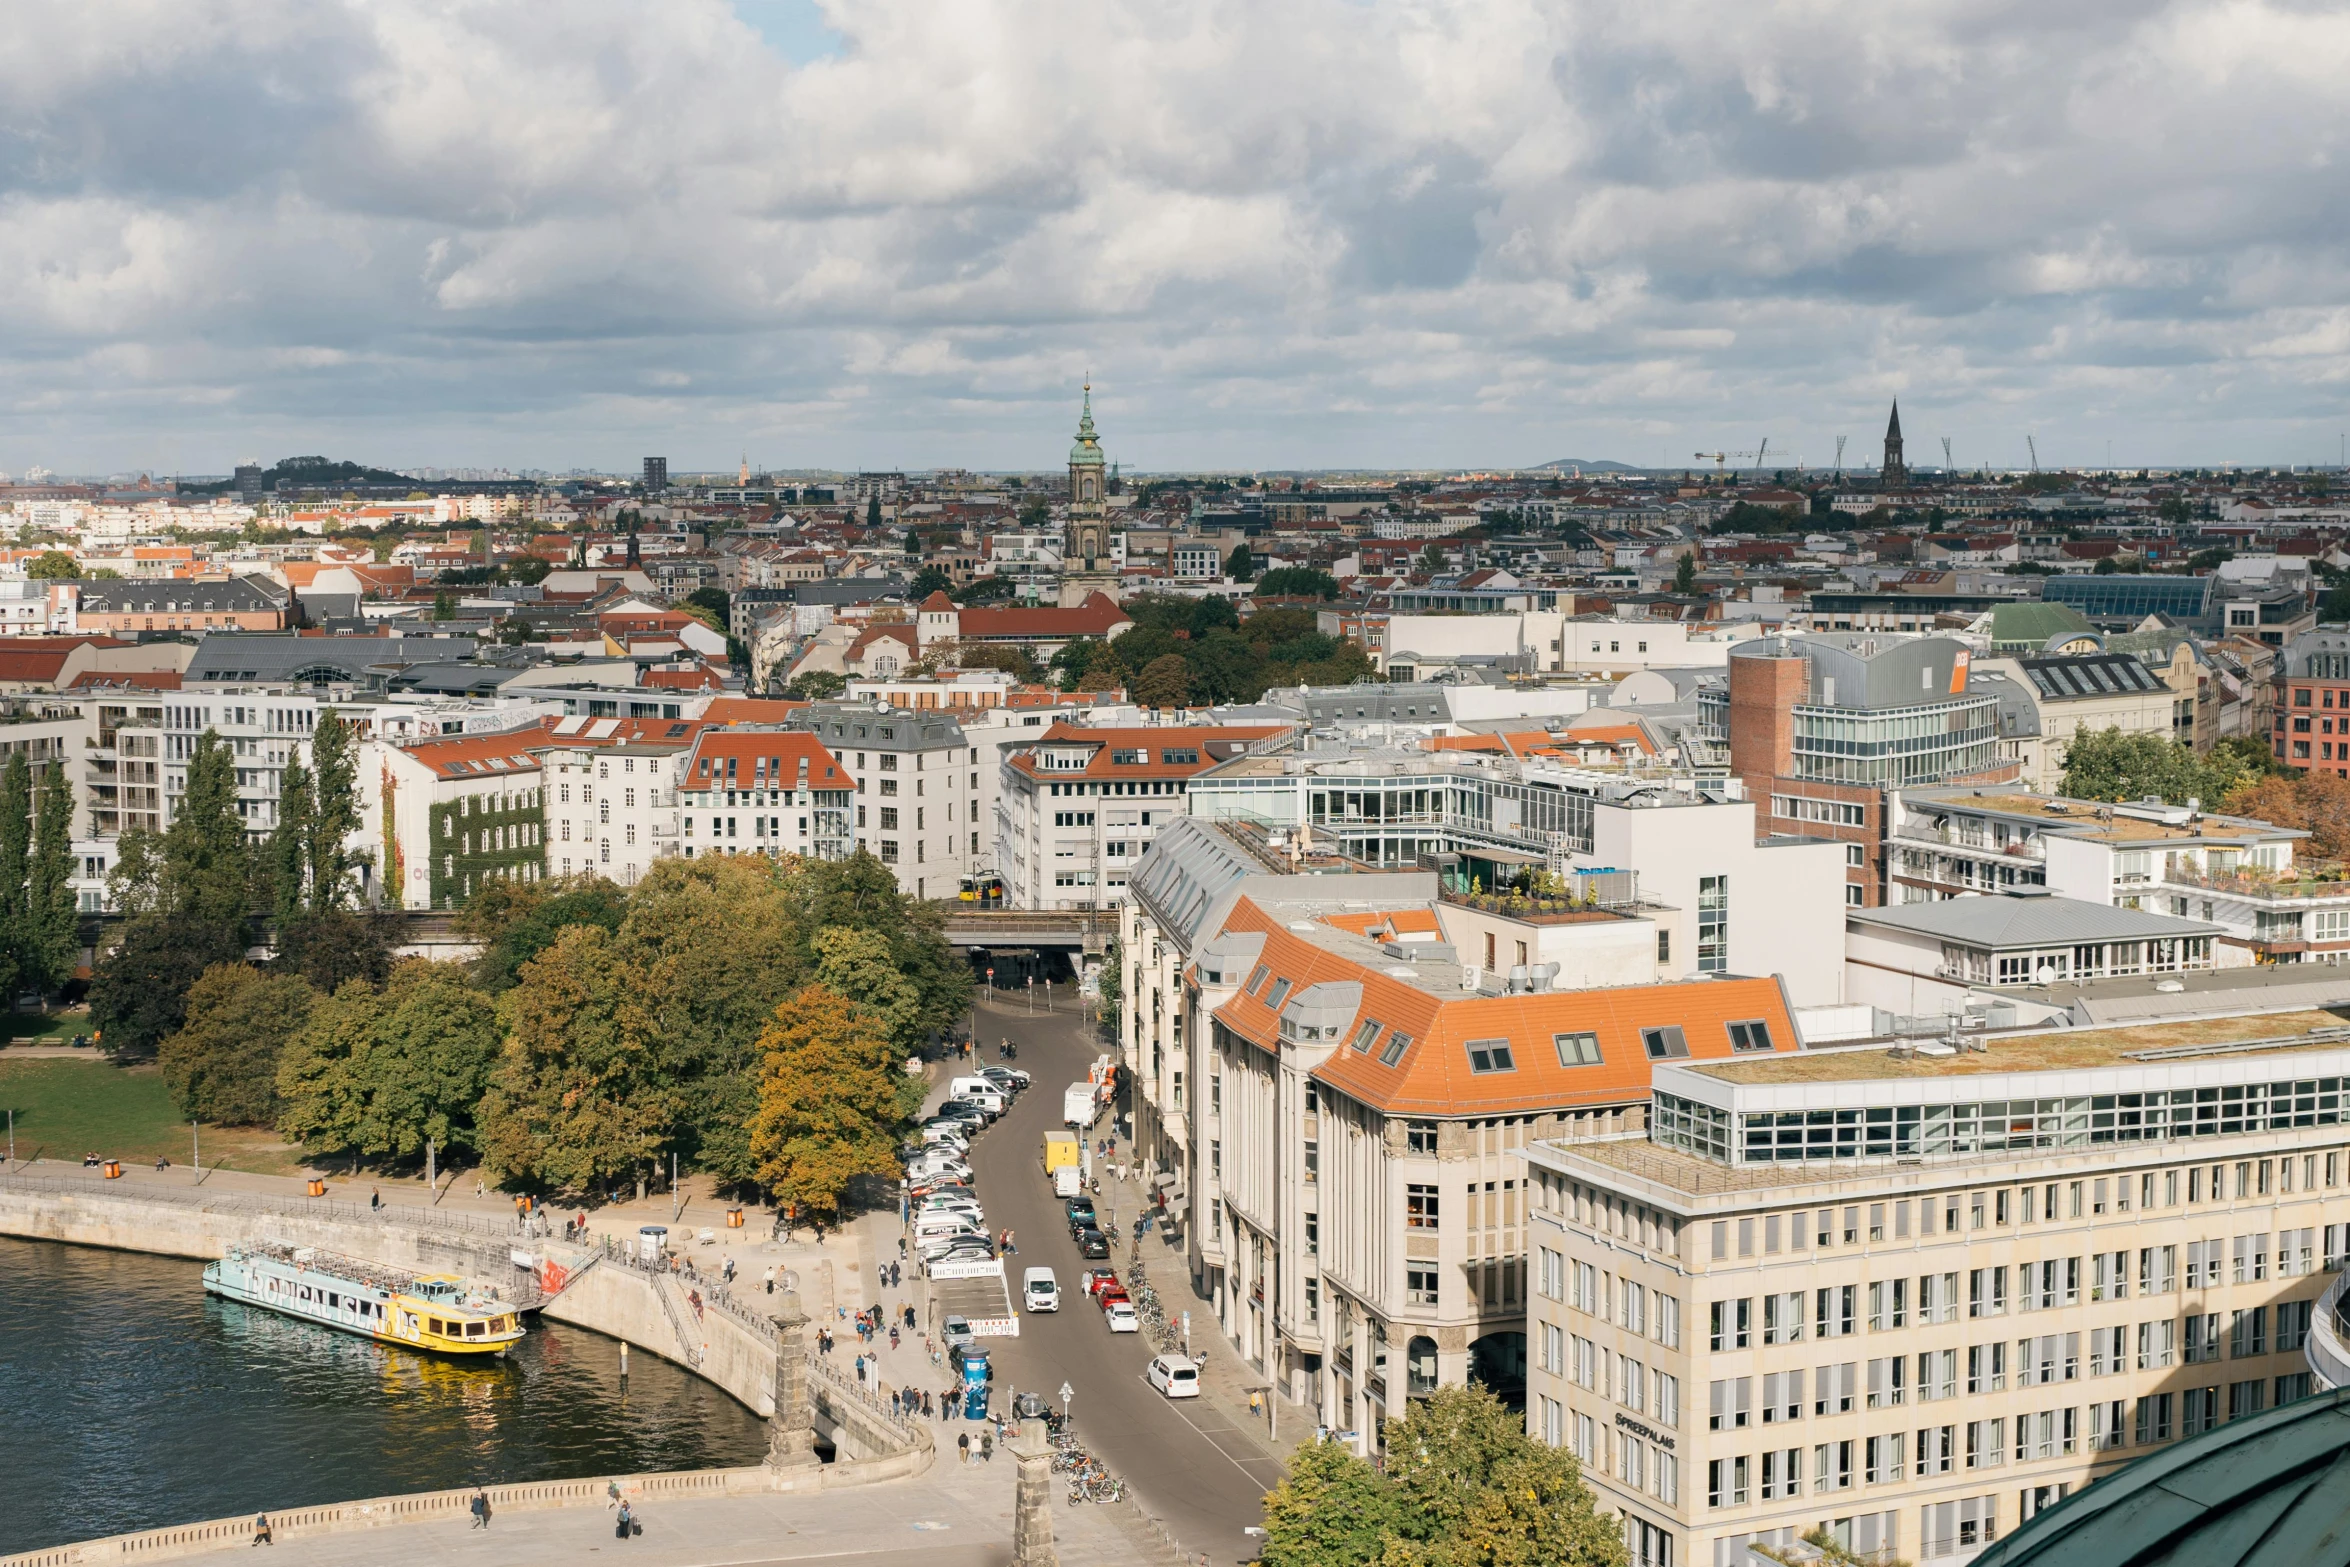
(2070, 1049)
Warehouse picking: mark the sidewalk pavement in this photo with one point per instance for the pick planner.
(957, 1515)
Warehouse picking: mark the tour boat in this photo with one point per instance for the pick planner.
(432, 1311)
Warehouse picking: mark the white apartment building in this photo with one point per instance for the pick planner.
(1916, 1296)
(1078, 808)
(757, 789)
(612, 810)
(2241, 875)
(916, 787)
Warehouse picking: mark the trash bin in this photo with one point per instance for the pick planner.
(114, 1169)
(734, 1218)
(652, 1242)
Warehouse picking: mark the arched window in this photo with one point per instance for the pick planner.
(1419, 1367)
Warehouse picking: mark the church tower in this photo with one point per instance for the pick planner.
(1893, 473)
(1086, 567)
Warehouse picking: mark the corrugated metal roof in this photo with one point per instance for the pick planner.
(2027, 922)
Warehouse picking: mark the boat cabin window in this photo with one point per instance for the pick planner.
(473, 1329)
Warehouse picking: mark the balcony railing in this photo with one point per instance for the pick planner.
(2314, 883)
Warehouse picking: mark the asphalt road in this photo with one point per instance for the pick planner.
(1189, 1463)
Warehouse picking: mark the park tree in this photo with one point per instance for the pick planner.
(1331, 1510)
(16, 851)
(221, 1064)
(860, 963)
(334, 772)
(285, 858)
(50, 945)
(579, 1097)
(330, 950)
(382, 1070)
(1685, 574)
(2316, 802)
(1240, 565)
(1296, 582)
(52, 566)
(830, 1102)
(139, 993)
(514, 921)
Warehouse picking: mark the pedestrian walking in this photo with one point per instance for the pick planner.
(963, 1449)
(262, 1534)
(893, 1335)
(987, 1444)
(375, 1200)
(770, 1277)
(480, 1506)
(926, 1406)
(861, 1377)
(626, 1523)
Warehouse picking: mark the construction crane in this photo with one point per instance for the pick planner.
(1716, 458)
(1947, 467)
(1759, 451)
(1839, 456)
(2034, 448)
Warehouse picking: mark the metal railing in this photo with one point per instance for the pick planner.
(848, 1387)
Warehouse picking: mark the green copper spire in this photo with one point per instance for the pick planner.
(1088, 450)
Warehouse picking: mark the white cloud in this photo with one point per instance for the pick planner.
(1278, 231)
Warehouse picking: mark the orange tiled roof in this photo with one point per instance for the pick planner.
(750, 710)
(782, 750)
(1433, 1076)
(1154, 743)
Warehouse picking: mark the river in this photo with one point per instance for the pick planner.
(129, 1399)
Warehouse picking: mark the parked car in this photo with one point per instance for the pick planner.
(1094, 1278)
(1122, 1317)
(963, 1110)
(1174, 1375)
(1039, 1290)
(957, 1331)
(1079, 1212)
(1010, 1076)
(1092, 1244)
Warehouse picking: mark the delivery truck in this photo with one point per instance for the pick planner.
(1060, 1152)
(1080, 1103)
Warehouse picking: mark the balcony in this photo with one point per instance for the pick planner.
(2307, 882)
(2328, 1347)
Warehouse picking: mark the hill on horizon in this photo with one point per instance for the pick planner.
(1562, 464)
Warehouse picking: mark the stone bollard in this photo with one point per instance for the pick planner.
(791, 1430)
(1032, 1516)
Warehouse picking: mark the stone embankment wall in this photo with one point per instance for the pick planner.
(729, 1345)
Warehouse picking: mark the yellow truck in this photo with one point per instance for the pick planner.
(1060, 1152)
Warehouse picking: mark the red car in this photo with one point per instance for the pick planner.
(1095, 1278)
(1110, 1293)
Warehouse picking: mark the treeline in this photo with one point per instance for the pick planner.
(750, 1017)
(1198, 652)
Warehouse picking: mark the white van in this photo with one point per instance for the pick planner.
(1039, 1290)
(1067, 1182)
(984, 1092)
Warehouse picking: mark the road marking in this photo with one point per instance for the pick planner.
(1209, 1434)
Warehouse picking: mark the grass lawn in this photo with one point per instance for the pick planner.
(67, 1107)
(43, 1028)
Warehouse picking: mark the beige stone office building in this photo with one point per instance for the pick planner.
(1917, 1297)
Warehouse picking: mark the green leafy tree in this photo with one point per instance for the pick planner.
(286, 856)
(989, 589)
(139, 990)
(331, 949)
(2111, 765)
(16, 847)
(927, 581)
(1685, 574)
(1164, 682)
(52, 940)
(1465, 1487)
(52, 566)
(335, 815)
(1240, 565)
(861, 963)
(221, 1063)
(1432, 560)
(206, 864)
(816, 685)
(383, 1070)
(579, 1096)
(1331, 1510)
(1296, 582)
(830, 1105)
(1017, 662)
(514, 921)
(1110, 1002)
(1035, 514)
(444, 607)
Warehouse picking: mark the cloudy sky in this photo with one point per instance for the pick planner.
(1279, 233)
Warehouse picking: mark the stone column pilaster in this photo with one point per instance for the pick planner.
(1032, 1512)
(791, 1430)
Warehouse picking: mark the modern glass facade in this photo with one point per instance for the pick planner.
(2132, 595)
(1995, 1126)
(1881, 747)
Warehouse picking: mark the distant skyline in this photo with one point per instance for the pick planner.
(1322, 234)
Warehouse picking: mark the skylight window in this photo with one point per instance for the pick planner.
(1368, 1032)
(1278, 994)
(1755, 1036)
(1664, 1043)
(1577, 1049)
(1490, 1055)
(1397, 1043)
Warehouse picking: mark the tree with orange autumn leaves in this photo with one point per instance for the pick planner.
(831, 1100)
